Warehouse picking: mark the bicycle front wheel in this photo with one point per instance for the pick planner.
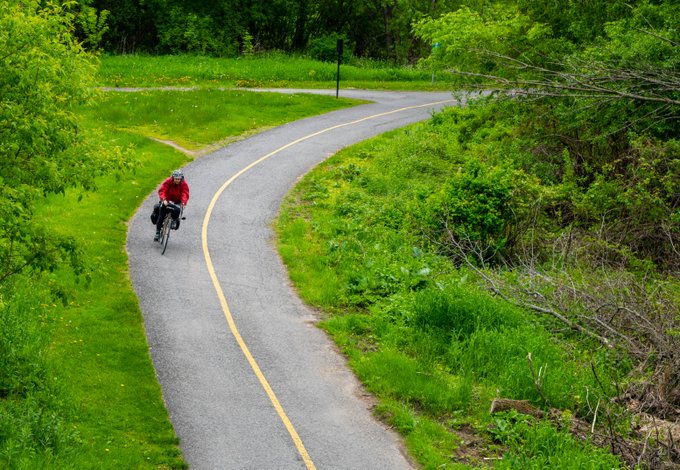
(165, 234)
(165, 242)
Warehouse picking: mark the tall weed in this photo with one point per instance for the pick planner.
(32, 403)
(538, 445)
(457, 313)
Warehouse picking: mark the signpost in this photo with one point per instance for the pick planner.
(337, 75)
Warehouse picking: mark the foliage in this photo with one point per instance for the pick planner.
(32, 403)
(462, 35)
(378, 30)
(598, 91)
(325, 49)
(131, 26)
(617, 201)
(91, 25)
(480, 206)
(182, 31)
(597, 86)
(45, 74)
(417, 331)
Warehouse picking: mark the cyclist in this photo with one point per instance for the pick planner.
(176, 191)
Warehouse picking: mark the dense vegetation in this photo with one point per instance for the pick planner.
(420, 332)
(524, 248)
(228, 28)
(588, 128)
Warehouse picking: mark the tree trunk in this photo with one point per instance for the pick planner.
(300, 34)
(388, 12)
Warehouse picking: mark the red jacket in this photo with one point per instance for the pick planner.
(177, 193)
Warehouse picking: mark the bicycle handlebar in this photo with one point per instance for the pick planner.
(171, 204)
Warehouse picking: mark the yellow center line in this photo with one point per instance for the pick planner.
(220, 294)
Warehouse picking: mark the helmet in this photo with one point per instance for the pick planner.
(178, 174)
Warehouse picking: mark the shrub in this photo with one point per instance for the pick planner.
(188, 32)
(481, 209)
(325, 49)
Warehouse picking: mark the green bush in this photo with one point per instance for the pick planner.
(187, 32)
(480, 208)
(325, 49)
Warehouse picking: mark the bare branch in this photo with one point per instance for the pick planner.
(461, 252)
(601, 81)
(658, 36)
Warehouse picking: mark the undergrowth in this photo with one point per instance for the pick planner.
(420, 327)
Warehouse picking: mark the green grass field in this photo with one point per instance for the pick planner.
(273, 70)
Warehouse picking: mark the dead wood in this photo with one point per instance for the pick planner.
(521, 406)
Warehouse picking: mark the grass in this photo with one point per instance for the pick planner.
(95, 401)
(419, 334)
(201, 119)
(272, 70)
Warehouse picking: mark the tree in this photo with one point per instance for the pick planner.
(45, 75)
(634, 58)
(609, 105)
(376, 29)
(131, 25)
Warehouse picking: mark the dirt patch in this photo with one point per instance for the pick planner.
(210, 147)
(474, 449)
(176, 146)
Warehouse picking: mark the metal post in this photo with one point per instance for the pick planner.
(337, 75)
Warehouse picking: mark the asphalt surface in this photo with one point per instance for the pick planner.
(315, 413)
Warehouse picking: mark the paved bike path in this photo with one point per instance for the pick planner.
(221, 411)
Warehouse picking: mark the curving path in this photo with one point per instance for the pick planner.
(249, 381)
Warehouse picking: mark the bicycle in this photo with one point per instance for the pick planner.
(168, 224)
